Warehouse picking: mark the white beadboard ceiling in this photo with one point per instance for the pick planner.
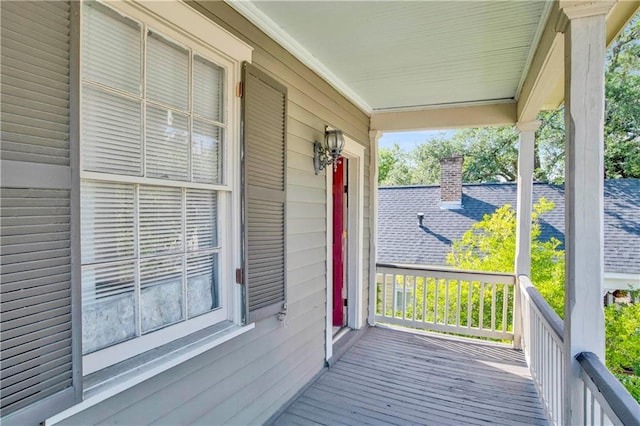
(388, 55)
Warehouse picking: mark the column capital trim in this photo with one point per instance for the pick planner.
(374, 135)
(576, 9)
(528, 126)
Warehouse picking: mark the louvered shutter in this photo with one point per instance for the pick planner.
(264, 105)
(35, 206)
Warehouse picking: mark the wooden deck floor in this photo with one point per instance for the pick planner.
(399, 378)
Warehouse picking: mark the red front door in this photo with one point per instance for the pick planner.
(339, 244)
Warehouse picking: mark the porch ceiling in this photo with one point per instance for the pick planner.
(392, 55)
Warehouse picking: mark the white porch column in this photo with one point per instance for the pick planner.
(584, 29)
(526, 157)
(374, 135)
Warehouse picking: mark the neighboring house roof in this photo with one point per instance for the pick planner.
(401, 240)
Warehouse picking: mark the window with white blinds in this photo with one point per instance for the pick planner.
(153, 187)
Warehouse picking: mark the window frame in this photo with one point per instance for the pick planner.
(166, 19)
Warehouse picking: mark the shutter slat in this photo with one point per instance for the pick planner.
(19, 335)
(36, 362)
(21, 381)
(40, 390)
(34, 349)
(35, 82)
(29, 284)
(264, 118)
(35, 308)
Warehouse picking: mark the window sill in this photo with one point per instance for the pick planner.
(117, 378)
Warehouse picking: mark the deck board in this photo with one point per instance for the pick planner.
(392, 377)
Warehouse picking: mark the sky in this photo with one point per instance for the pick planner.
(409, 140)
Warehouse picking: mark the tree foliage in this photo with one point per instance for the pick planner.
(490, 246)
(491, 153)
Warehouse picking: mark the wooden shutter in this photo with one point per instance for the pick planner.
(264, 107)
(35, 310)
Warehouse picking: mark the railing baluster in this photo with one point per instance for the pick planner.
(494, 290)
(469, 303)
(424, 302)
(394, 296)
(481, 313)
(458, 302)
(446, 302)
(384, 294)
(505, 305)
(415, 297)
(405, 284)
(435, 301)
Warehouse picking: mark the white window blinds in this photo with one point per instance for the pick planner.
(153, 129)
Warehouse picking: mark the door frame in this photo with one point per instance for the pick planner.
(355, 242)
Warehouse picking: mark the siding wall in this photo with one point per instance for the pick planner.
(248, 378)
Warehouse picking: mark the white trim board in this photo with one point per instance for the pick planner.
(620, 281)
(355, 153)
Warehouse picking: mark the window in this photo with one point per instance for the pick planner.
(158, 178)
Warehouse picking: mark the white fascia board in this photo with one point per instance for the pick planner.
(621, 281)
(273, 30)
(544, 17)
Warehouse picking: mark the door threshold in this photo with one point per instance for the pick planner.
(337, 335)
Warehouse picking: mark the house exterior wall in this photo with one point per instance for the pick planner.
(247, 379)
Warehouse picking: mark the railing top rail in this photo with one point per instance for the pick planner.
(548, 314)
(428, 268)
(614, 394)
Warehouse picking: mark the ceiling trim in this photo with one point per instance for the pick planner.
(542, 24)
(273, 30)
(445, 105)
(495, 114)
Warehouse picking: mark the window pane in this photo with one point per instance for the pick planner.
(111, 133)
(208, 89)
(167, 144)
(108, 305)
(167, 72)
(160, 220)
(202, 284)
(160, 292)
(202, 208)
(206, 152)
(107, 221)
(111, 48)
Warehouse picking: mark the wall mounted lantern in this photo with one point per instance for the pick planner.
(329, 153)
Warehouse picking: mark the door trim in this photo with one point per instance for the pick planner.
(355, 153)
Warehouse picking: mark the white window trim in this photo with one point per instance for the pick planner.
(173, 20)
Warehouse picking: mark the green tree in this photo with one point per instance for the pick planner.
(491, 154)
(425, 159)
(391, 161)
(490, 246)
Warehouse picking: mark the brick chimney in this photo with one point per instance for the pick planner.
(451, 182)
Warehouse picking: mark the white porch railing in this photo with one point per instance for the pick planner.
(542, 343)
(441, 299)
(605, 402)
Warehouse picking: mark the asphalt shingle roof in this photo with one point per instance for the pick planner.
(401, 240)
